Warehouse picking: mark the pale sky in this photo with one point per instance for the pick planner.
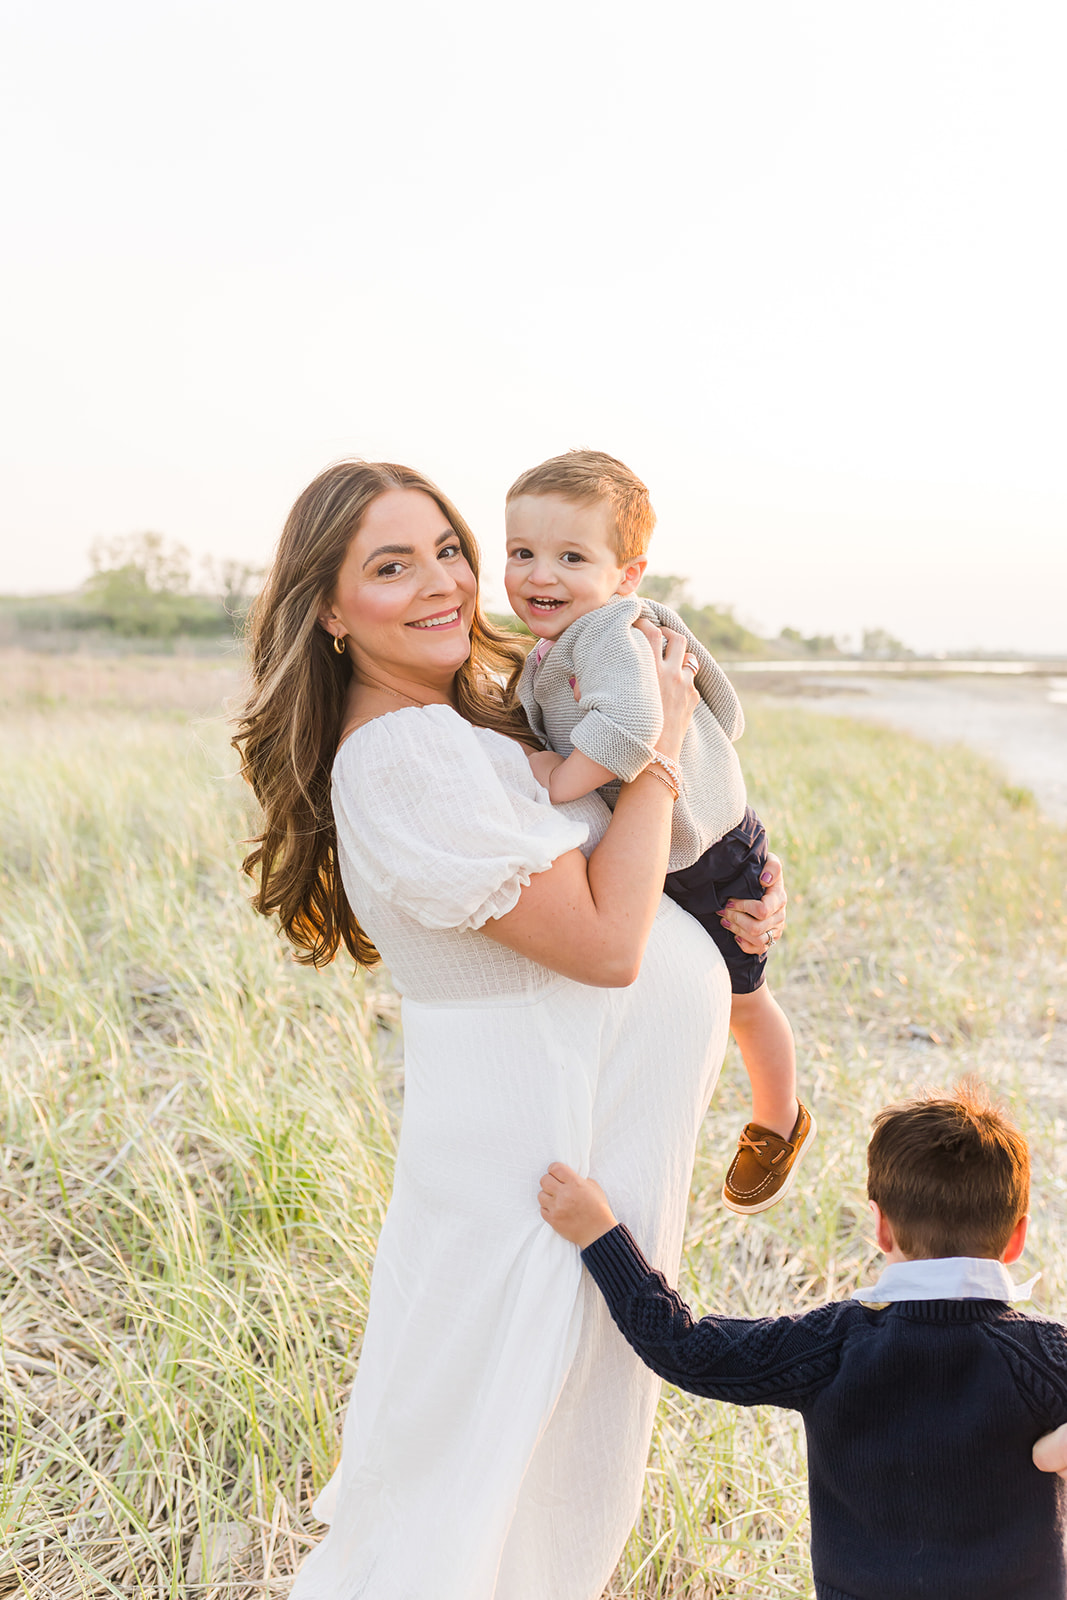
(802, 266)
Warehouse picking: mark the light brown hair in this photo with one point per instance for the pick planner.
(951, 1174)
(585, 477)
(288, 731)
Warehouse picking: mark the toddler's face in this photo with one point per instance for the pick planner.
(562, 562)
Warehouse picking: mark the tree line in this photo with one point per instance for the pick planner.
(719, 630)
(143, 586)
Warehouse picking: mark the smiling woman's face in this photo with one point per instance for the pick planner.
(405, 593)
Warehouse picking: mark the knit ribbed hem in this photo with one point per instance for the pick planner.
(950, 1310)
(611, 746)
(823, 1591)
(616, 1264)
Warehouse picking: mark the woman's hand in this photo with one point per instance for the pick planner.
(751, 921)
(677, 692)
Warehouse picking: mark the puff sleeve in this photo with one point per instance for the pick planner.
(445, 820)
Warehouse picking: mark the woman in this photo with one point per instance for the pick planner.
(555, 1005)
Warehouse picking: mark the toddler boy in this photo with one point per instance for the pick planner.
(922, 1396)
(578, 527)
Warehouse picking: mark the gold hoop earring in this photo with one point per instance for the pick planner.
(339, 643)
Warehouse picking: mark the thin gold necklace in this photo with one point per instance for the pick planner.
(372, 683)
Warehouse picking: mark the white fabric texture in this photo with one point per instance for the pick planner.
(495, 1443)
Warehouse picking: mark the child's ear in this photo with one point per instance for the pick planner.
(1017, 1242)
(632, 573)
(883, 1232)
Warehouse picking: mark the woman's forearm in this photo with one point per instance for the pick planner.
(628, 866)
(591, 920)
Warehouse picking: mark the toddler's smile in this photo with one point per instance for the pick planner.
(562, 562)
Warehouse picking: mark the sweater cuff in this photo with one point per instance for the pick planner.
(616, 1264)
(611, 746)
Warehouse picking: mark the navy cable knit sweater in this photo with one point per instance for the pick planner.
(920, 1419)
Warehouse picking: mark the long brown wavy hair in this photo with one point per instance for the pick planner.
(288, 731)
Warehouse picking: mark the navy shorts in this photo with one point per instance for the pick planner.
(730, 870)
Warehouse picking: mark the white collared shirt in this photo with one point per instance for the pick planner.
(946, 1278)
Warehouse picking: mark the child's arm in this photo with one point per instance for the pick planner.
(570, 777)
(576, 1207)
(543, 763)
(766, 1361)
(574, 776)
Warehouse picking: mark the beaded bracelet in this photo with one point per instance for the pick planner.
(662, 777)
(671, 768)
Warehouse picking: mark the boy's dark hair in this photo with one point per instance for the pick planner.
(586, 476)
(951, 1174)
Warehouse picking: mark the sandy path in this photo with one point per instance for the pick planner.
(1020, 722)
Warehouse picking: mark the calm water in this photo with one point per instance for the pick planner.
(1021, 722)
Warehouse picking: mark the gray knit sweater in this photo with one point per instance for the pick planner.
(619, 718)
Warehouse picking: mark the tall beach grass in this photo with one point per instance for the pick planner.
(198, 1135)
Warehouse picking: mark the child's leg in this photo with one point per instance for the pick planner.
(781, 1129)
(765, 1041)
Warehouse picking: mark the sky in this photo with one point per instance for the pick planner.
(801, 266)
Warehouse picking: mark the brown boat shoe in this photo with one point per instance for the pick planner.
(765, 1165)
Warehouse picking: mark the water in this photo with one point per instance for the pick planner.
(1019, 721)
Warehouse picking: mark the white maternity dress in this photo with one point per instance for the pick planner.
(496, 1439)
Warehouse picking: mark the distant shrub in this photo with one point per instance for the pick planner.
(665, 588)
(509, 622)
(878, 645)
(720, 632)
(715, 626)
(141, 588)
(122, 603)
(816, 644)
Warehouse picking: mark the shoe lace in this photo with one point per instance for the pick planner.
(760, 1145)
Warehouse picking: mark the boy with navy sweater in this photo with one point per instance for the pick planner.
(922, 1396)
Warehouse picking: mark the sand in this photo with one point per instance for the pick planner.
(1020, 722)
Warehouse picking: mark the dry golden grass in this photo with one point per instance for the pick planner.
(197, 1135)
(190, 684)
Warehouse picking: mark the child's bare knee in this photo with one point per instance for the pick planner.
(744, 1006)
